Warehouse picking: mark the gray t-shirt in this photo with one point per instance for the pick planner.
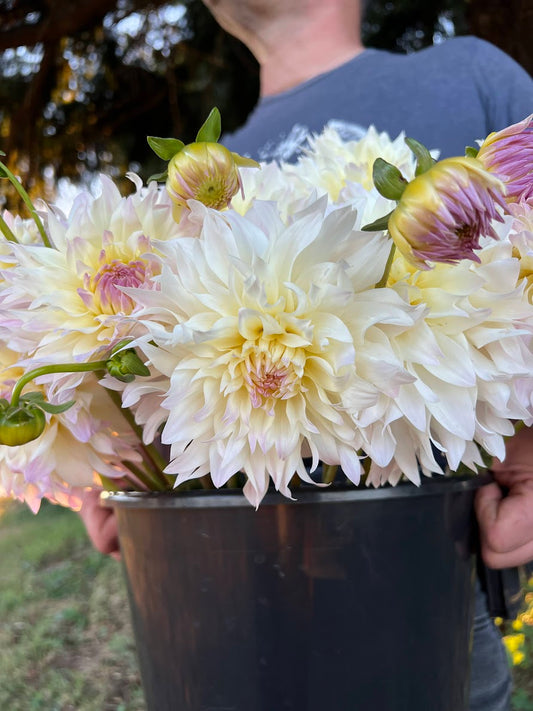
(445, 96)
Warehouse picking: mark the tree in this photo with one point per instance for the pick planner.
(82, 84)
(508, 25)
(101, 75)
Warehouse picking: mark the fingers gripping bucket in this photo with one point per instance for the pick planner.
(342, 599)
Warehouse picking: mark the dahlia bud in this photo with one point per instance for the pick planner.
(444, 212)
(125, 365)
(21, 423)
(207, 172)
(203, 170)
(509, 155)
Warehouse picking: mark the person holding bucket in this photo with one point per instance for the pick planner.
(314, 71)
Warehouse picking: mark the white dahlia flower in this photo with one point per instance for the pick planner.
(89, 439)
(330, 163)
(472, 360)
(69, 297)
(256, 327)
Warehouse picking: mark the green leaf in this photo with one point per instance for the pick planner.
(424, 161)
(33, 397)
(388, 179)
(165, 148)
(471, 152)
(211, 128)
(2, 153)
(160, 177)
(378, 225)
(37, 398)
(56, 409)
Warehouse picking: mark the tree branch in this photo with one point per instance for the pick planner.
(61, 19)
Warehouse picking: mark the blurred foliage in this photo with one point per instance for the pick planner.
(82, 84)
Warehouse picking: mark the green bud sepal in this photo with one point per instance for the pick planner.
(165, 148)
(125, 364)
(388, 179)
(424, 159)
(378, 225)
(211, 128)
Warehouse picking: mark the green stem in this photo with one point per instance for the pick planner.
(206, 482)
(48, 369)
(329, 471)
(111, 484)
(150, 481)
(152, 457)
(8, 234)
(27, 201)
(384, 279)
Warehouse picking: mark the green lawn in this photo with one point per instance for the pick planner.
(65, 635)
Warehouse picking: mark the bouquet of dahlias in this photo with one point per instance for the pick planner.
(368, 308)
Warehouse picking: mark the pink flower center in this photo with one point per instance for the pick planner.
(268, 380)
(103, 288)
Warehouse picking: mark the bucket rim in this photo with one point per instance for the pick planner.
(234, 498)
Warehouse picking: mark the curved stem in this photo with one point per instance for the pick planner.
(149, 480)
(329, 471)
(5, 229)
(151, 455)
(384, 279)
(48, 369)
(27, 201)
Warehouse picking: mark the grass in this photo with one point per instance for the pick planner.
(66, 642)
(65, 636)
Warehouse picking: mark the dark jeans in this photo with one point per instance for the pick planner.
(490, 677)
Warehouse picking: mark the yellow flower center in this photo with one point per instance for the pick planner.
(214, 192)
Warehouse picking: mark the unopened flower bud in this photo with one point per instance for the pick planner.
(20, 424)
(444, 212)
(207, 172)
(125, 365)
(509, 155)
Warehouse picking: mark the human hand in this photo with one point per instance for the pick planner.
(506, 522)
(101, 524)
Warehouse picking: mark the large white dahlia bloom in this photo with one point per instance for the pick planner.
(256, 327)
(69, 297)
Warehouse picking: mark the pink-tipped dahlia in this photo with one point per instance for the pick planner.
(205, 171)
(444, 212)
(509, 155)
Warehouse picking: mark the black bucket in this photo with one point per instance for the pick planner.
(349, 600)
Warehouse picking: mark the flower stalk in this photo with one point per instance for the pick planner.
(329, 472)
(152, 458)
(50, 369)
(6, 173)
(6, 230)
(382, 283)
